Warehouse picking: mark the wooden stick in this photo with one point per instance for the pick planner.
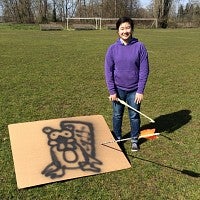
(124, 103)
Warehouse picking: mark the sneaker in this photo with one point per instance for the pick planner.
(135, 147)
(118, 138)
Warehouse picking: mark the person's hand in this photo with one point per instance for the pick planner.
(113, 97)
(138, 98)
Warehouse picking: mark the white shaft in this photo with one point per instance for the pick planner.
(141, 136)
(124, 103)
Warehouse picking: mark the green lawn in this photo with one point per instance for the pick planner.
(48, 75)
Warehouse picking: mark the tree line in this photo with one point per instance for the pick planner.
(191, 12)
(44, 11)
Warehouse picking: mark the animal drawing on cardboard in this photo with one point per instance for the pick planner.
(71, 147)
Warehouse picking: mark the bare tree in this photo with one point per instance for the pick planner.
(17, 11)
(161, 11)
(54, 18)
(117, 8)
(25, 11)
(42, 11)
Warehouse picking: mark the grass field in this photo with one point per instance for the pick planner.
(48, 75)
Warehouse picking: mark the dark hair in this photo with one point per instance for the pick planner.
(123, 20)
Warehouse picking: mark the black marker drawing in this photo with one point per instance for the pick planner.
(71, 147)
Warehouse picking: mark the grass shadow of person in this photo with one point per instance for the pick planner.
(182, 171)
(170, 122)
(128, 156)
(167, 123)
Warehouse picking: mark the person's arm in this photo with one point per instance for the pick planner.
(144, 69)
(109, 73)
(143, 74)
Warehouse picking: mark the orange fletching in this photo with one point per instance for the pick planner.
(148, 132)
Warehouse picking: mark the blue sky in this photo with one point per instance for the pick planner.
(145, 3)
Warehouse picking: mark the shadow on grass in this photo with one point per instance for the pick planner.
(170, 122)
(166, 123)
(183, 171)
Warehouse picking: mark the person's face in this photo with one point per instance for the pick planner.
(125, 31)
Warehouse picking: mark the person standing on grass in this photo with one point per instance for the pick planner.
(126, 73)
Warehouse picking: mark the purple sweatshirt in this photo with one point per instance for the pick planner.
(126, 66)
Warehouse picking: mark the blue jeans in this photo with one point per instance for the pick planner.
(118, 112)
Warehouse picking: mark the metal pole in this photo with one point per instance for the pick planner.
(100, 23)
(67, 24)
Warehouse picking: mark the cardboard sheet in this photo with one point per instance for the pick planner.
(61, 149)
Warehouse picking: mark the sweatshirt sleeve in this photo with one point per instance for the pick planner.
(109, 71)
(144, 69)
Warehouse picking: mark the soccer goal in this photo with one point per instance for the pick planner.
(110, 23)
(82, 23)
(106, 23)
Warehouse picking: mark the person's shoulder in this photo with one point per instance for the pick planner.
(114, 45)
(140, 44)
(137, 42)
